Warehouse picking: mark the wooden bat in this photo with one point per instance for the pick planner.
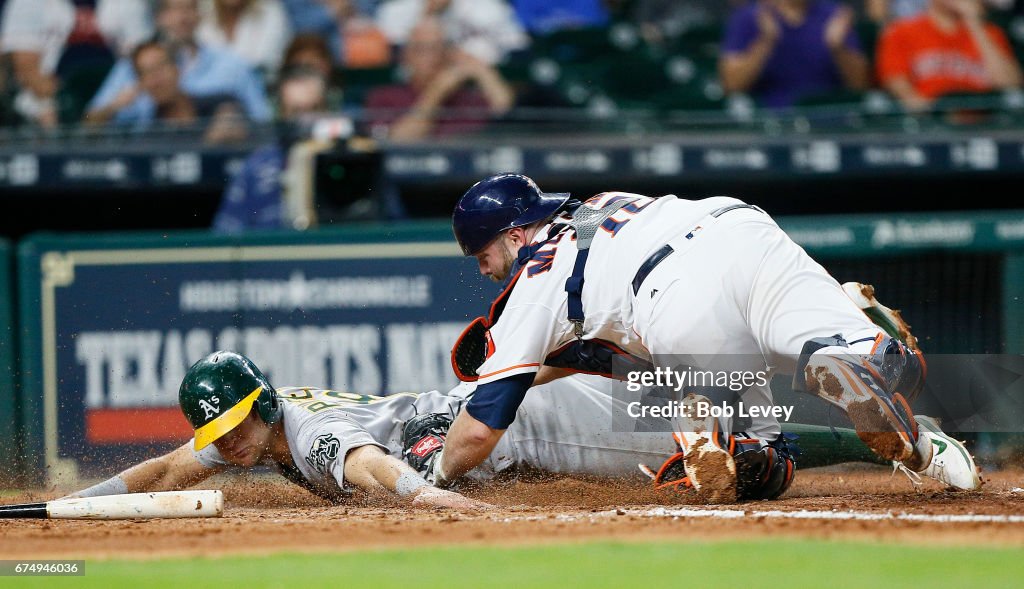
(169, 504)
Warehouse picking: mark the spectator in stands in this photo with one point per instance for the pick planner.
(363, 45)
(780, 51)
(254, 196)
(441, 78)
(204, 70)
(158, 79)
(311, 52)
(948, 49)
(541, 17)
(485, 29)
(315, 18)
(256, 30)
(49, 40)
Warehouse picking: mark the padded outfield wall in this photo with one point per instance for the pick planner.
(9, 411)
(111, 322)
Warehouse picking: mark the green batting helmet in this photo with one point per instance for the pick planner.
(218, 393)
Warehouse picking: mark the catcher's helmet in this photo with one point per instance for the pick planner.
(218, 393)
(497, 204)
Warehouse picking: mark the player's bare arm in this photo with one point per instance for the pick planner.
(548, 374)
(469, 443)
(370, 469)
(173, 471)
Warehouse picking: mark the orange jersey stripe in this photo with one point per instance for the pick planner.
(490, 374)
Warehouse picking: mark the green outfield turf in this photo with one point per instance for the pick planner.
(784, 563)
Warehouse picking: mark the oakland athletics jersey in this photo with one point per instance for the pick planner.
(322, 426)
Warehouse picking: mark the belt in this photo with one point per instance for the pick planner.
(664, 251)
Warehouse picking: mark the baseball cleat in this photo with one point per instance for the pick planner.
(710, 468)
(890, 320)
(950, 462)
(883, 422)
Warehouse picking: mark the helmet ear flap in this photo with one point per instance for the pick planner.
(270, 407)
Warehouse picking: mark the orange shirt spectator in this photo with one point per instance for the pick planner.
(947, 49)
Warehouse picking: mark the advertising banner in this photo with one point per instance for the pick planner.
(121, 325)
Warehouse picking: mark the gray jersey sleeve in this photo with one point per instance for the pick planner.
(329, 443)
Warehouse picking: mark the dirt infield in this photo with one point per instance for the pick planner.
(270, 515)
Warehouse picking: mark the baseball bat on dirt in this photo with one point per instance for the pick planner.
(169, 504)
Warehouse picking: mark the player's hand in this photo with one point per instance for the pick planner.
(767, 24)
(838, 27)
(434, 497)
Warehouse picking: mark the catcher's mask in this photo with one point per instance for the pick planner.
(218, 393)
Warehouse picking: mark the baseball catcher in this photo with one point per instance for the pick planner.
(641, 279)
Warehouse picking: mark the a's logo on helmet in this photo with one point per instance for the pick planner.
(209, 409)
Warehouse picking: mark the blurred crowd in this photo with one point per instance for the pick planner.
(223, 63)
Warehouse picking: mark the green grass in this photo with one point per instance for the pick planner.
(784, 563)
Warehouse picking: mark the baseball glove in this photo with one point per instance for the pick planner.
(422, 440)
(671, 475)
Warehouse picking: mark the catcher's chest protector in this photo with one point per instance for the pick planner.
(591, 356)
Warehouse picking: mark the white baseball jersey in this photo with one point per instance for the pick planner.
(735, 294)
(534, 322)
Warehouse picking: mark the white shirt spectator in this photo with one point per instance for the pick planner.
(486, 29)
(43, 27)
(260, 36)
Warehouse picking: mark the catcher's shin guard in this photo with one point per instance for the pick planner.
(762, 471)
(872, 388)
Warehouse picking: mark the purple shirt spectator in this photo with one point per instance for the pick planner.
(800, 64)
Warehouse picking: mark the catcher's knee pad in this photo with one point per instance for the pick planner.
(763, 471)
(896, 367)
(870, 379)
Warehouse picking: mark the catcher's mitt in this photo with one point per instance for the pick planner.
(422, 440)
(671, 475)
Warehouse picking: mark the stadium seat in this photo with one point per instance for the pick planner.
(575, 45)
